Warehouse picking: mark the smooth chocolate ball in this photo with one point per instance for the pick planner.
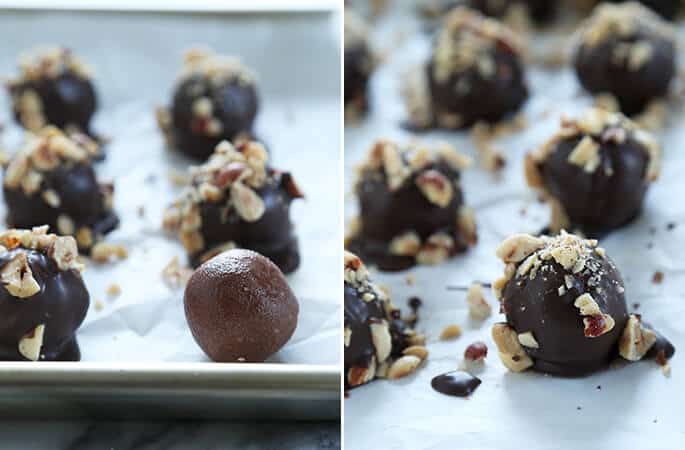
(565, 300)
(627, 51)
(239, 307)
(43, 299)
(409, 215)
(55, 88)
(596, 171)
(476, 72)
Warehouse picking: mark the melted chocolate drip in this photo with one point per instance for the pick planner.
(234, 104)
(662, 346)
(359, 314)
(272, 235)
(61, 305)
(457, 383)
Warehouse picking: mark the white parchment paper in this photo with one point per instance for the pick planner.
(634, 406)
(136, 59)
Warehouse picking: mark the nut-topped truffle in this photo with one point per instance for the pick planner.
(411, 205)
(54, 88)
(475, 74)
(594, 172)
(375, 335)
(43, 299)
(236, 200)
(215, 99)
(627, 51)
(51, 181)
(564, 303)
(359, 63)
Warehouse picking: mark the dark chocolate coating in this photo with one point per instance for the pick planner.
(240, 307)
(61, 305)
(539, 10)
(234, 104)
(66, 100)
(358, 62)
(666, 8)
(387, 214)
(596, 202)
(557, 325)
(599, 72)
(359, 315)
(81, 198)
(457, 383)
(272, 235)
(487, 99)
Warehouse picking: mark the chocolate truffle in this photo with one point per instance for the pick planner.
(359, 62)
(627, 51)
(51, 181)
(475, 74)
(375, 334)
(668, 9)
(54, 88)
(411, 207)
(43, 299)
(510, 11)
(236, 200)
(239, 307)
(594, 172)
(215, 99)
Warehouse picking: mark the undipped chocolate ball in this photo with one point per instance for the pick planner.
(236, 200)
(564, 301)
(43, 299)
(215, 99)
(359, 62)
(627, 51)
(411, 207)
(475, 74)
(54, 88)
(51, 181)
(594, 172)
(375, 334)
(240, 308)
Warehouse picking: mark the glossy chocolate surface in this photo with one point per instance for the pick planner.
(234, 105)
(457, 383)
(534, 305)
(358, 317)
(240, 307)
(61, 305)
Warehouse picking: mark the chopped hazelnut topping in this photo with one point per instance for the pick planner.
(17, 277)
(528, 340)
(636, 340)
(404, 366)
(419, 351)
(382, 341)
(30, 344)
(585, 155)
(509, 348)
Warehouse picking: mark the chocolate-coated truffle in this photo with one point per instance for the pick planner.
(359, 63)
(375, 334)
(51, 181)
(54, 88)
(239, 307)
(43, 299)
(215, 99)
(594, 172)
(566, 312)
(411, 207)
(475, 74)
(627, 51)
(236, 200)
(564, 303)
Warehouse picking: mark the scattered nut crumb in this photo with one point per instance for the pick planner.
(174, 275)
(658, 277)
(416, 350)
(404, 366)
(103, 252)
(410, 279)
(479, 308)
(476, 352)
(450, 332)
(179, 178)
(114, 290)
(99, 305)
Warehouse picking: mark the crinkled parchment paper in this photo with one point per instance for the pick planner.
(632, 406)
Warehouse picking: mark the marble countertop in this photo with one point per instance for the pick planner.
(167, 435)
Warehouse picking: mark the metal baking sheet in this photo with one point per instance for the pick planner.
(138, 354)
(634, 406)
